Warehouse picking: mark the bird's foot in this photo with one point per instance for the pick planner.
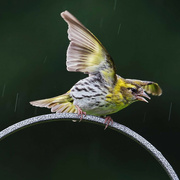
(107, 121)
(80, 113)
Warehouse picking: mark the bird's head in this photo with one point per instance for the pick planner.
(134, 93)
(135, 90)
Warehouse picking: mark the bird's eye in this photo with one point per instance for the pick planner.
(133, 90)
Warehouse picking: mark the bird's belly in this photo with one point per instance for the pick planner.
(89, 94)
(98, 106)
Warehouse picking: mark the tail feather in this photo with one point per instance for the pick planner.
(59, 104)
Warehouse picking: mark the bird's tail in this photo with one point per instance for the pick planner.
(59, 104)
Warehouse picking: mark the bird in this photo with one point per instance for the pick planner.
(102, 92)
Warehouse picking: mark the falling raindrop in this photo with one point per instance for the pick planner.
(101, 23)
(144, 119)
(119, 28)
(170, 111)
(15, 107)
(115, 3)
(35, 111)
(3, 91)
(45, 59)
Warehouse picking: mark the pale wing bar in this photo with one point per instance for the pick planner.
(149, 86)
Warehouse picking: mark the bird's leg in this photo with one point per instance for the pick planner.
(107, 121)
(80, 112)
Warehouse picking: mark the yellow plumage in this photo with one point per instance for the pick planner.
(103, 92)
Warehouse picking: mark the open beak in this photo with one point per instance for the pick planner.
(141, 96)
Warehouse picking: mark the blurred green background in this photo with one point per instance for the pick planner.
(142, 36)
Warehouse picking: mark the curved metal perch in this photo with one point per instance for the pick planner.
(116, 126)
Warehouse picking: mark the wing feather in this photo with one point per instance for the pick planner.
(86, 53)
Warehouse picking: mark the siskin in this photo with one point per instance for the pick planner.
(103, 92)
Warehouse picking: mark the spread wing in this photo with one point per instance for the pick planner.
(149, 86)
(86, 53)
